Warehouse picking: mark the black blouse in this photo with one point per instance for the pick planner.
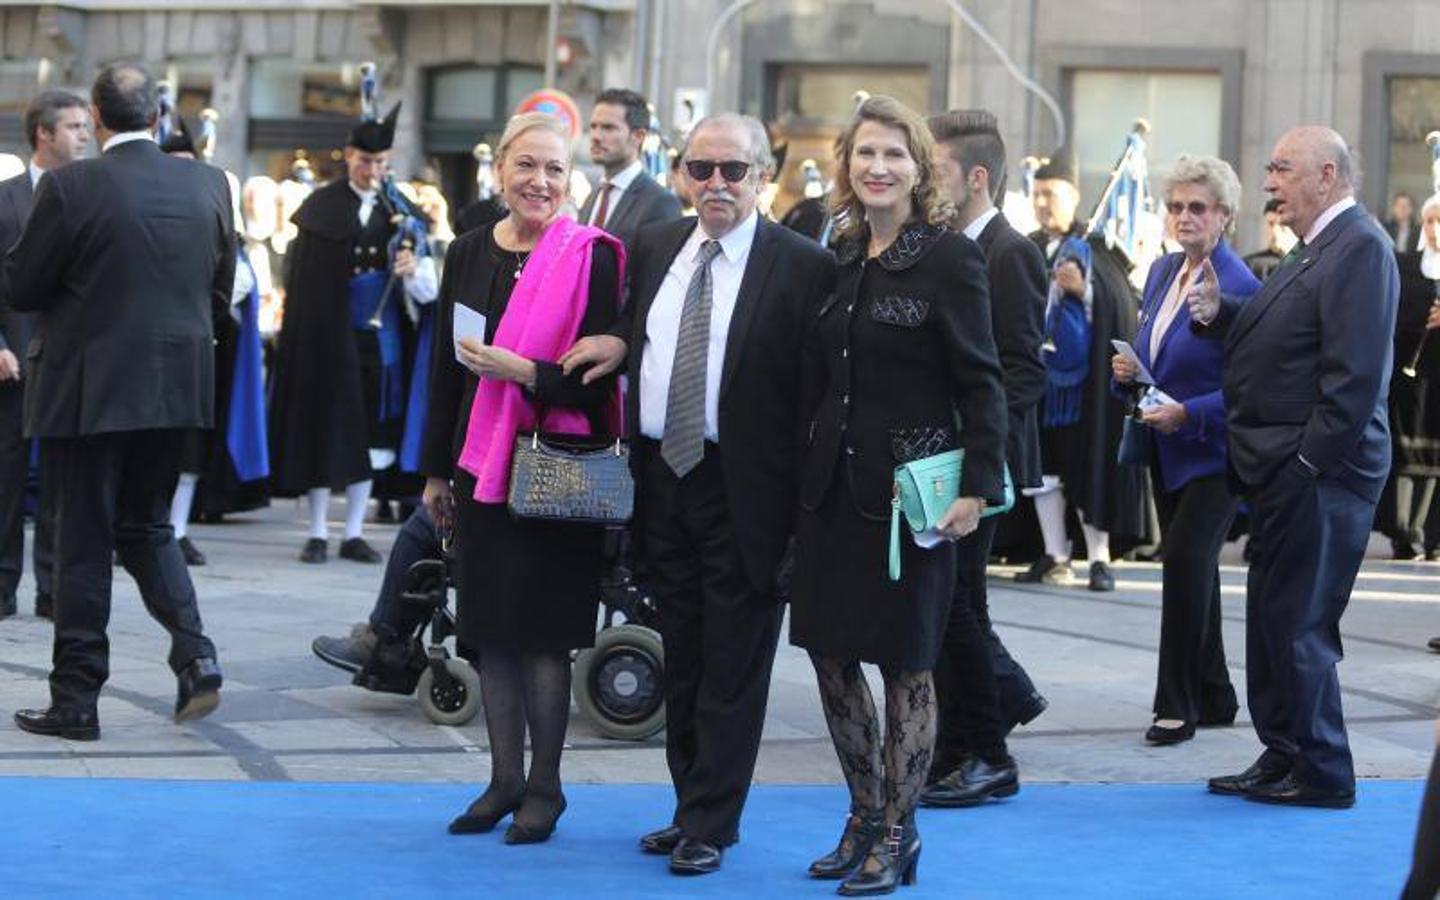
(481, 275)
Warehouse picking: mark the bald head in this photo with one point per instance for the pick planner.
(125, 98)
(1310, 170)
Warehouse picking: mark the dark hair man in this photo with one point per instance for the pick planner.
(123, 361)
(983, 692)
(57, 125)
(627, 199)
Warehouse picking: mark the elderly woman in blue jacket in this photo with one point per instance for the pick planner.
(1186, 415)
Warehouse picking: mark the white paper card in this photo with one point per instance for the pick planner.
(1124, 349)
(1154, 398)
(467, 324)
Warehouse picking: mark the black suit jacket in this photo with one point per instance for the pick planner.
(125, 258)
(1308, 358)
(643, 203)
(15, 194)
(786, 281)
(1017, 316)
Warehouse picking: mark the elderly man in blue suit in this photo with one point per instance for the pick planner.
(1307, 371)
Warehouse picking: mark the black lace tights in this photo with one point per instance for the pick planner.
(854, 727)
(524, 690)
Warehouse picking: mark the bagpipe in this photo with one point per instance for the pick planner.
(1430, 258)
(412, 233)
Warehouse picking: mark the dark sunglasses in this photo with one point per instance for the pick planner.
(733, 170)
(1195, 206)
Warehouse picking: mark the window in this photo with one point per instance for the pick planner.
(287, 89)
(1183, 109)
(1414, 111)
(827, 92)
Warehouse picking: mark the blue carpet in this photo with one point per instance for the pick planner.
(172, 839)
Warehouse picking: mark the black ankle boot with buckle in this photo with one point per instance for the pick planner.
(862, 829)
(898, 856)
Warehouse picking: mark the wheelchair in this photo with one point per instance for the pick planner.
(618, 684)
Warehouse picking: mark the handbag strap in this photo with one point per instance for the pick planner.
(894, 568)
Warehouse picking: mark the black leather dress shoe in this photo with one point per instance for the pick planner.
(1159, 734)
(356, 550)
(44, 606)
(972, 784)
(1434, 644)
(314, 551)
(70, 724)
(692, 857)
(1291, 791)
(1247, 780)
(198, 690)
(192, 554)
(662, 842)
(7, 605)
(1101, 578)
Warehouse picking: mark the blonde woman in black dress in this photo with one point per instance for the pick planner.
(900, 365)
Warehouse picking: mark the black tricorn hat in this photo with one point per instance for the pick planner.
(1060, 166)
(375, 136)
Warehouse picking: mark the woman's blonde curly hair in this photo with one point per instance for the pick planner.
(931, 200)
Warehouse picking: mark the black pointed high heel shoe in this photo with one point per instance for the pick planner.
(519, 833)
(862, 829)
(899, 858)
(479, 821)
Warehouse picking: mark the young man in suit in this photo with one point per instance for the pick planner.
(121, 362)
(627, 199)
(1307, 371)
(713, 332)
(982, 691)
(57, 125)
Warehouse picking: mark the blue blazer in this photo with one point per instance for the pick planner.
(1189, 369)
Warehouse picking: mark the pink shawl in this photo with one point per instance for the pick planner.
(541, 322)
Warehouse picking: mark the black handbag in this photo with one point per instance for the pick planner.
(1137, 444)
(571, 478)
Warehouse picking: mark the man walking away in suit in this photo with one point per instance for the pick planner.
(124, 258)
(1307, 371)
(981, 690)
(714, 329)
(628, 199)
(58, 128)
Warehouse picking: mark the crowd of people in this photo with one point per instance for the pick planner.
(773, 381)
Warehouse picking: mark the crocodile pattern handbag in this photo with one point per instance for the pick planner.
(571, 478)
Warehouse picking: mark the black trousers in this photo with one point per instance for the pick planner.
(110, 493)
(417, 540)
(973, 716)
(1308, 540)
(1193, 684)
(1424, 883)
(719, 633)
(14, 477)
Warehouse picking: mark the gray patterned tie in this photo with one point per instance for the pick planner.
(683, 444)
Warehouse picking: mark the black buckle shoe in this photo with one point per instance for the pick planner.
(314, 551)
(356, 550)
(193, 557)
(198, 690)
(862, 829)
(70, 724)
(899, 859)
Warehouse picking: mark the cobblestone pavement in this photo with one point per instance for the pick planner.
(287, 716)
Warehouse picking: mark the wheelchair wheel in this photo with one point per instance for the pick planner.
(453, 699)
(620, 682)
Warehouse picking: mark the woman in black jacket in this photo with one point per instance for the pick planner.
(900, 365)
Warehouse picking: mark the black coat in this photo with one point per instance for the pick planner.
(1308, 360)
(925, 312)
(1415, 402)
(787, 278)
(15, 196)
(1017, 314)
(126, 258)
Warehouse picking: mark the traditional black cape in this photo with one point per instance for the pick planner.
(319, 426)
(1415, 402)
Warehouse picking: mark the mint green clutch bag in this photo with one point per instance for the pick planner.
(924, 490)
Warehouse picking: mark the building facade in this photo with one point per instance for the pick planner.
(1211, 76)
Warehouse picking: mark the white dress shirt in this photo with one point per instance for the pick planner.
(618, 185)
(662, 326)
(35, 173)
(126, 137)
(424, 285)
(975, 228)
(1169, 308)
(1326, 217)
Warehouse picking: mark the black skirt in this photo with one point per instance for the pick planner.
(526, 585)
(843, 604)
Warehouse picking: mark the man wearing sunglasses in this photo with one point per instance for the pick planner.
(712, 335)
